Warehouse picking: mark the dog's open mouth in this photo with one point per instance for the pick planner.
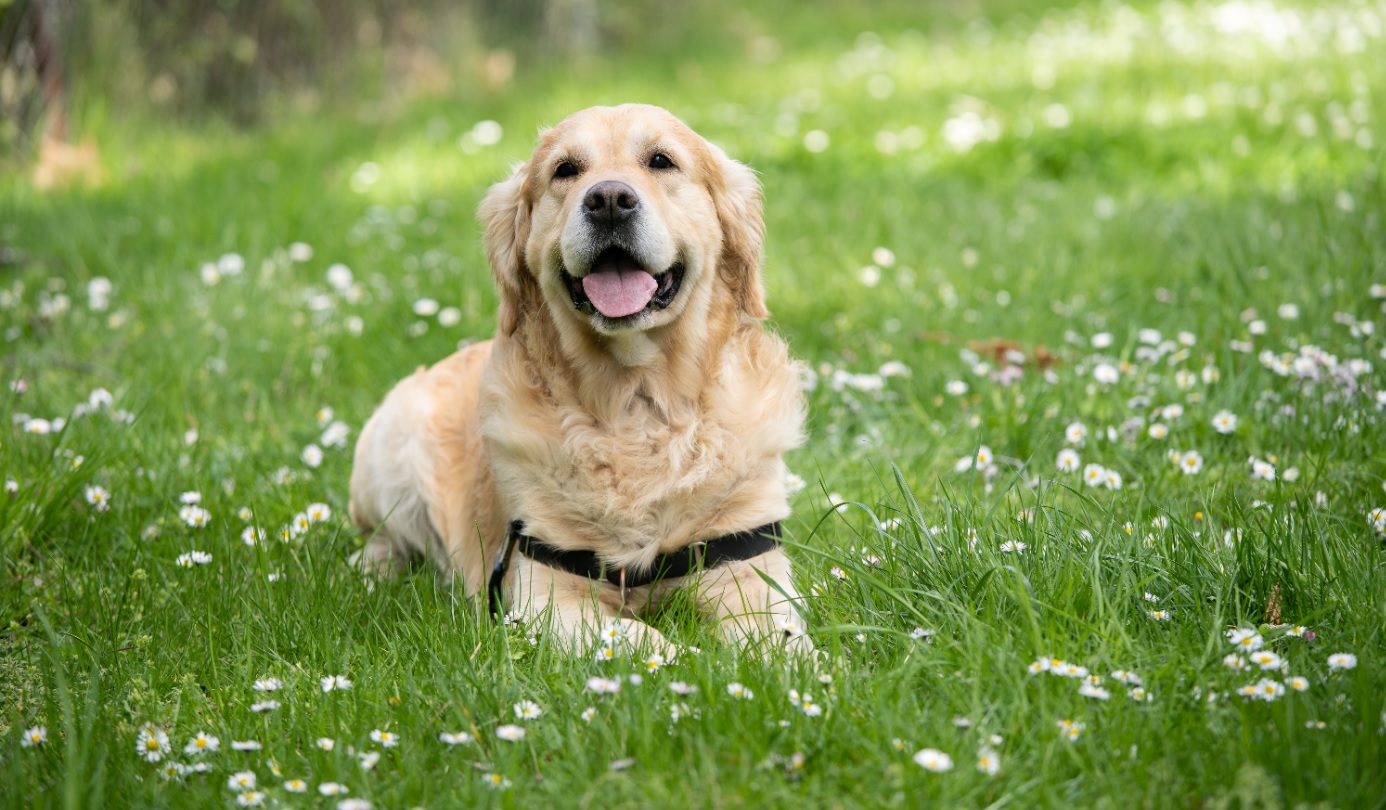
(618, 287)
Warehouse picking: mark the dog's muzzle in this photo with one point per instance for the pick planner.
(618, 287)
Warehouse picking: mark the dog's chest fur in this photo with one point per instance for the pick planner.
(635, 471)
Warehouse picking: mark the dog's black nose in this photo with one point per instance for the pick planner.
(611, 203)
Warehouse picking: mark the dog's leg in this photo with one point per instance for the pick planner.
(750, 612)
(576, 608)
(381, 557)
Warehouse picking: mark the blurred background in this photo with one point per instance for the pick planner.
(246, 60)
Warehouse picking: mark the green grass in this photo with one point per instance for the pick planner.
(1188, 193)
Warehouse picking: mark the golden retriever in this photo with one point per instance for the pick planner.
(631, 403)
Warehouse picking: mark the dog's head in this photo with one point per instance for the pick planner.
(622, 220)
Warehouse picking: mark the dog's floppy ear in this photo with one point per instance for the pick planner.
(504, 213)
(736, 193)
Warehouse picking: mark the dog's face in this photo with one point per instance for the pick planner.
(622, 221)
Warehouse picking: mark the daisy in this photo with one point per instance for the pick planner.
(268, 685)
(1159, 430)
(739, 691)
(510, 733)
(264, 706)
(194, 516)
(1225, 422)
(984, 456)
(1067, 460)
(654, 662)
(1191, 462)
(603, 686)
(38, 735)
(151, 743)
(1339, 661)
(1234, 661)
(1089, 690)
(810, 708)
(1298, 683)
(1126, 677)
(245, 514)
(1267, 660)
(606, 653)
(333, 789)
(495, 781)
(335, 682)
(790, 626)
(1244, 639)
(528, 710)
(455, 738)
(1105, 373)
(1269, 690)
(1138, 693)
(987, 762)
(1075, 433)
(681, 688)
(250, 798)
(326, 743)
(1071, 729)
(1160, 615)
(296, 786)
(678, 711)
(241, 780)
(368, 759)
(387, 739)
(312, 456)
(613, 633)
(246, 745)
(1094, 475)
(920, 633)
(1298, 631)
(588, 713)
(931, 759)
(202, 744)
(173, 770)
(1261, 470)
(318, 512)
(335, 435)
(98, 497)
(1113, 479)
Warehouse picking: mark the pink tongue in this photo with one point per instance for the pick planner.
(619, 291)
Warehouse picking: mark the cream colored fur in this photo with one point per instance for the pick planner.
(630, 441)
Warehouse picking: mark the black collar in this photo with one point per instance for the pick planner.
(707, 554)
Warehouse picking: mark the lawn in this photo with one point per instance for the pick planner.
(1092, 491)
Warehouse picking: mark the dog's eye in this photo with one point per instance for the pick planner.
(565, 169)
(660, 161)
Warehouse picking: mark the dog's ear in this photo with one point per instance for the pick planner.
(736, 193)
(504, 213)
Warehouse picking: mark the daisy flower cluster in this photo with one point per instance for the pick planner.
(202, 752)
(1091, 685)
(1250, 655)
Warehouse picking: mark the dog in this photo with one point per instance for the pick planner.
(630, 413)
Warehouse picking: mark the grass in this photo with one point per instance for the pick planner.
(1206, 175)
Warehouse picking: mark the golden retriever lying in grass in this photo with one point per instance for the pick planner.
(630, 405)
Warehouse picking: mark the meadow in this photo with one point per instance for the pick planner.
(1092, 508)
